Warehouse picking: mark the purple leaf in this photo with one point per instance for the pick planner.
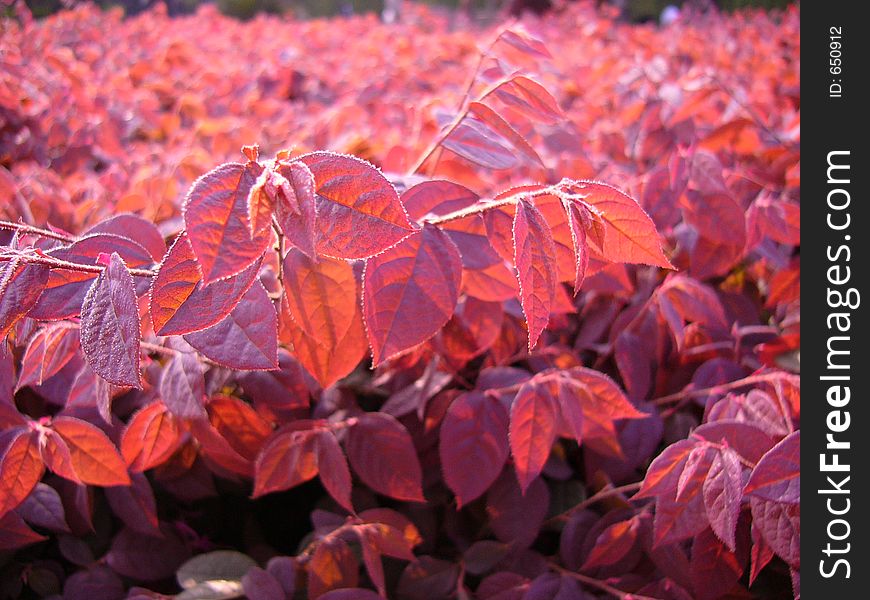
(110, 325)
(777, 476)
(182, 386)
(247, 338)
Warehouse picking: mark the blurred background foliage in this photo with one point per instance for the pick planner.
(634, 10)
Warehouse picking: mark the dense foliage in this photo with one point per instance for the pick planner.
(407, 342)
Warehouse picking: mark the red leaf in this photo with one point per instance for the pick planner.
(760, 555)
(612, 544)
(332, 566)
(14, 533)
(216, 220)
(350, 594)
(530, 98)
(500, 127)
(664, 472)
(247, 338)
(723, 491)
(327, 364)
(358, 210)
(135, 505)
(776, 477)
(66, 290)
(519, 39)
(715, 569)
(57, 456)
(601, 401)
(372, 557)
(259, 584)
(578, 229)
(90, 391)
(533, 428)
(475, 141)
(284, 388)
(133, 227)
(288, 459)
(535, 260)
(298, 223)
(696, 469)
(437, 197)
(678, 520)
(217, 450)
(473, 328)
(630, 235)
(48, 351)
(780, 526)
(749, 440)
(238, 424)
(682, 299)
(551, 586)
(785, 285)
(20, 286)
(383, 455)
(716, 216)
(179, 300)
(182, 386)
(321, 296)
(93, 457)
(332, 465)
(44, 508)
(150, 438)
(110, 326)
(21, 467)
(495, 283)
(410, 291)
(396, 535)
(145, 558)
(516, 517)
(474, 432)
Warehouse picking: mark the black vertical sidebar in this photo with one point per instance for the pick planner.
(835, 299)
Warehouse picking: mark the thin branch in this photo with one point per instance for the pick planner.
(483, 207)
(30, 229)
(716, 389)
(463, 108)
(598, 584)
(602, 494)
(56, 263)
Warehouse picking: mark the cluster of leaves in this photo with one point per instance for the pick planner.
(337, 381)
